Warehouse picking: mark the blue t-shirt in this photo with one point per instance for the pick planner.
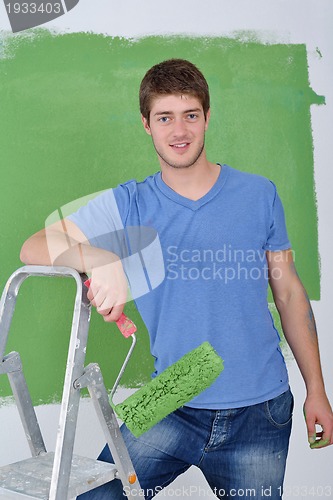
(198, 272)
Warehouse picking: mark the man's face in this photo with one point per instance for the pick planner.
(177, 127)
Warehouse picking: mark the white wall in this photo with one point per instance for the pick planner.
(293, 21)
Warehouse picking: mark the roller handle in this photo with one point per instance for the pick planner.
(128, 329)
(125, 325)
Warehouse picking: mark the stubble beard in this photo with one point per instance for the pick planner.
(178, 165)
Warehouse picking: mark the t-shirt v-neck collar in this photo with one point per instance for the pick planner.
(187, 202)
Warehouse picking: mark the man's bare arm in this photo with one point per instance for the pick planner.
(64, 244)
(57, 244)
(299, 327)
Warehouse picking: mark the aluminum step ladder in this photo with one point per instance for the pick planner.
(61, 475)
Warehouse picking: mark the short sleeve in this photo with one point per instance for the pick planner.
(277, 238)
(100, 221)
(104, 219)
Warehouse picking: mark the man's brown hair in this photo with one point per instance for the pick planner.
(174, 76)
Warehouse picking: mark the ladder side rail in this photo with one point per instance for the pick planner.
(7, 305)
(24, 404)
(93, 380)
(71, 395)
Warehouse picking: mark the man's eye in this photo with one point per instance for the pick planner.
(192, 116)
(164, 119)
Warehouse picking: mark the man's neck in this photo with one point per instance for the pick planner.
(191, 182)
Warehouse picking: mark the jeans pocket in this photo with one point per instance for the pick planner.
(279, 410)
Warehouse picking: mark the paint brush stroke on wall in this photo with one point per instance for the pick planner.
(70, 126)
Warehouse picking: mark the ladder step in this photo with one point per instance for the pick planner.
(31, 478)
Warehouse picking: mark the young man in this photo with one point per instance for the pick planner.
(223, 238)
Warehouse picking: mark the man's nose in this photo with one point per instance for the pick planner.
(179, 128)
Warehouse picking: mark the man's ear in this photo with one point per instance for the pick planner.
(207, 119)
(145, 124)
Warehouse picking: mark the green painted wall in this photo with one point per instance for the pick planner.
(70, 126)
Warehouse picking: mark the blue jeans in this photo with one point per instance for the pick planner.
(242, 452)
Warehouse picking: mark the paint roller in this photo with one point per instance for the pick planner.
(173, 388)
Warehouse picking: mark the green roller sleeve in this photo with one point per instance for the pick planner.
(170, 390)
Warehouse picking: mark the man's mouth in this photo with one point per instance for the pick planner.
(180, 145)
